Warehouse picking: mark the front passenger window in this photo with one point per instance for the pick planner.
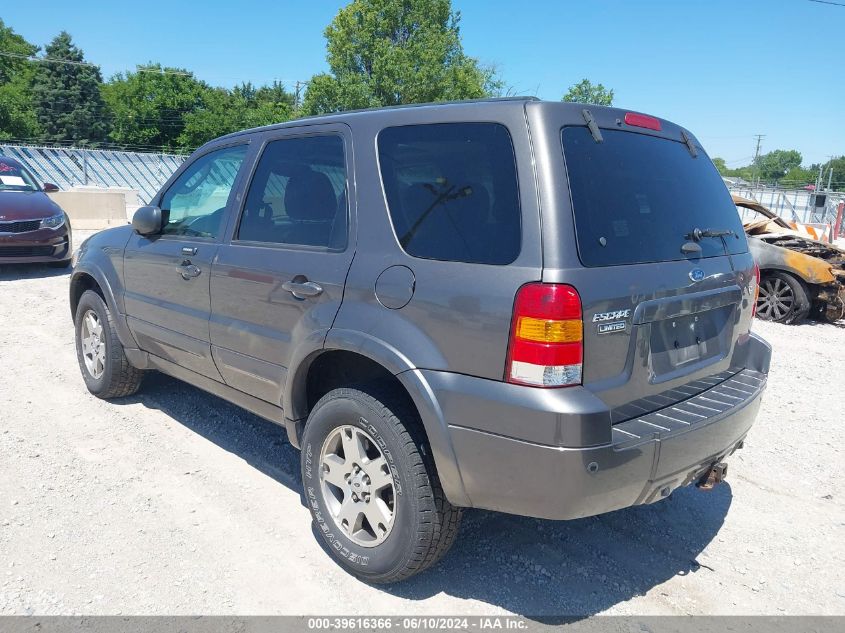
(196, 203)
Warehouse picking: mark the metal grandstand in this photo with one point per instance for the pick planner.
(73, 167)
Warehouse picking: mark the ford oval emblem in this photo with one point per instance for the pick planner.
(696, 274)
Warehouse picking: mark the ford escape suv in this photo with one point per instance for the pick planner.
(515, 305)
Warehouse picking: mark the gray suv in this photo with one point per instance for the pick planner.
(515, 305)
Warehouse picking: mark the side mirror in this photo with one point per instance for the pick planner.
(147, 220)
(49, 187)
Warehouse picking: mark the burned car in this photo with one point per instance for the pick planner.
(799, 276)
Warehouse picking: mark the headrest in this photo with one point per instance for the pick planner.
(310, 196)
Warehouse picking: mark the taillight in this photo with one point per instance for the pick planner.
(546, 347)
(756, 289)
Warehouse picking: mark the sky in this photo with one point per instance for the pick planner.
(725, 69)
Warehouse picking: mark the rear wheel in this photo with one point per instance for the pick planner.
(782, 298)
(372, 487)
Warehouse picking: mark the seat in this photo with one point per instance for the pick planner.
(311, 206)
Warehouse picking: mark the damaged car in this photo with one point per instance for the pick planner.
(799, 277)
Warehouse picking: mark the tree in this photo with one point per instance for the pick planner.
(224, 111)
(721, 165)
(774, 165)
(17, 116)
(393, 52)
(67, 96)
(586, 92)
(148, 107)
(837, 180)
(798, 177)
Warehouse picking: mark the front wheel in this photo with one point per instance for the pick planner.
(371, 485)
(105, 368)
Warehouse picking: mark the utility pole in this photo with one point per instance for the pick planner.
(760, 138)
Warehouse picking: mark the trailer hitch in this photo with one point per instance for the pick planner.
(715, 475)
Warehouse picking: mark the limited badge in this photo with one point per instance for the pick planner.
(607, 328)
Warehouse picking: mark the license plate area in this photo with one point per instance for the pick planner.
(685, 341)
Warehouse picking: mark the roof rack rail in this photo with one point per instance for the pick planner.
(403, 106)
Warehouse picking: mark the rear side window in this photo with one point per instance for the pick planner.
(452, 191)
(636, 198)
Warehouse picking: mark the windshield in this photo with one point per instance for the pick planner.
(14, 178)
(637, 198)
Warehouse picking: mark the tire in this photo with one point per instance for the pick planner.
(783, 298)
(105, 369)
(423, 524)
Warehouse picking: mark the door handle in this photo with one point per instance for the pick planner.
(303, 289)
(188, 250)
(188, 270)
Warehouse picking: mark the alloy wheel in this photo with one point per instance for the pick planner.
(93, 344)
(357, 485)
(775, 300)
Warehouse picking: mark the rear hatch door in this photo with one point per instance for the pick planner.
(645, 230)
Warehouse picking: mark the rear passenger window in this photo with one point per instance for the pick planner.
(452, 192)
(298, 194)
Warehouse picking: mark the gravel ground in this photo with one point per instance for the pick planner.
(175, 502)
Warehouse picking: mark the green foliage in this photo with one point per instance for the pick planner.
(721, 166)
(838, 180)
(224, 111)
(393, 52)
(68, 103)
(169, 108)
(779, 166)
(17, 117)
(774, 165)
(798, 177)
(586, 92)
(149, 107)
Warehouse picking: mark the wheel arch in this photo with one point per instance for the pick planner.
(84, 279)
(354, 357)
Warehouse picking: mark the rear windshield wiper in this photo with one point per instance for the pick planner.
(696, 234)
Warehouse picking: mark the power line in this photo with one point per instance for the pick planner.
(836, 4)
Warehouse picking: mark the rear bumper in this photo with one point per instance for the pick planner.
(44, 245)
(641, 461)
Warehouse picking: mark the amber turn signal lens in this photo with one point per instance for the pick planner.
(549, 331)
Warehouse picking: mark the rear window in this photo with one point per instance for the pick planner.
(636, 198)
(452, 191)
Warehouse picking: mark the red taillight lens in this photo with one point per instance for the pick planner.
(546, 346)
(642, 120)
(756, 289)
